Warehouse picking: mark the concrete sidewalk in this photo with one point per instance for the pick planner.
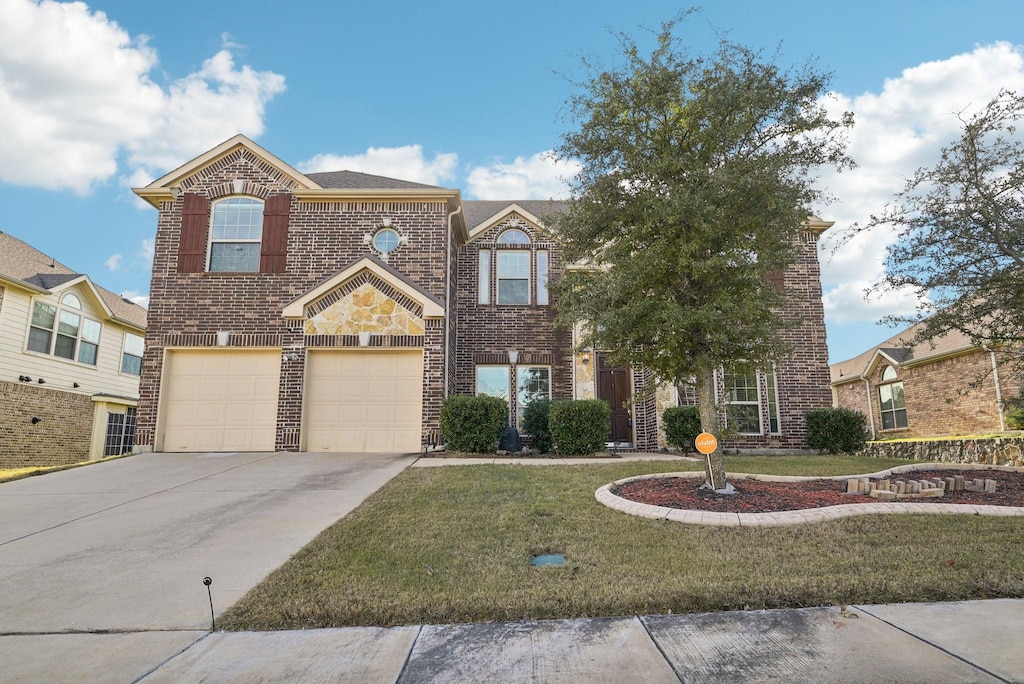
(972, 641)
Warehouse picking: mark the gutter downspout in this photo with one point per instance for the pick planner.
(999, 391)
(449, 330)
(871, 413)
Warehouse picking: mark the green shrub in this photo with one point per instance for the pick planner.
(836, 430)
(579, 426)
(536, 424)
(473, 424)
(682, 425)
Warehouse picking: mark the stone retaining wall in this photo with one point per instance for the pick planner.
(1008, 451)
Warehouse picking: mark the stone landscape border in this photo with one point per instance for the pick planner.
(807, 515)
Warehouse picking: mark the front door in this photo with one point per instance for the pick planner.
(614, 386)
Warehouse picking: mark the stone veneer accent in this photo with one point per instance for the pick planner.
(998, 451)
(366, 309)
(61, 436)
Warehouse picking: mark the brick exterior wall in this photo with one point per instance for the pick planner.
(939, 397)
(187, 309)
(486, 332)
(61, 436)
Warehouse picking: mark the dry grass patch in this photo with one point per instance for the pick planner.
(439, 545)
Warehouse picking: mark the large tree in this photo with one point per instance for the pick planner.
(960, 235)
(697, 174)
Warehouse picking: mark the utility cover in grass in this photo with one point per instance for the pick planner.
(548, 559)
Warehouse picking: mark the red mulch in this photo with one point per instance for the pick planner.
(758, 496)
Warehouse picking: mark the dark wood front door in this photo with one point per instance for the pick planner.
(614, 386)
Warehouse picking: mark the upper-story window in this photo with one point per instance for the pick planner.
(64, 331)
(513, 236)
(236, 235)
(520, 275)
(131, 357)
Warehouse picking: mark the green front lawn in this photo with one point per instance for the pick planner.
(453, 544)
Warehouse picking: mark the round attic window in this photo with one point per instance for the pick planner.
(385, 240)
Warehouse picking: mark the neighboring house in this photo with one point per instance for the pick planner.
(335, 312)
(70, 358)
(915, 389)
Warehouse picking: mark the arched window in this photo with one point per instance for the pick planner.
(63, 331)
(513, 236)
(892, 401)
(888, 374)
(236, 234)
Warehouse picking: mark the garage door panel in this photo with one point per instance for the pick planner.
(364, 400)
(220, 400)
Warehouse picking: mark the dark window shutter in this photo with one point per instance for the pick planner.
(274, 251)
(195, 223)
(778, 278)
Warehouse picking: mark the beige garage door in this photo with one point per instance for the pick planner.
(364, 400)
(220, 400)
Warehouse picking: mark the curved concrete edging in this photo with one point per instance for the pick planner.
(806, 515)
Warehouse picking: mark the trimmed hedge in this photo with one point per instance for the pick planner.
(473, 424)
(536, 424)
(579, 426)
(837, 430)
(682, 425)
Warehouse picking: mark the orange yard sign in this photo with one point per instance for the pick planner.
(706, 443)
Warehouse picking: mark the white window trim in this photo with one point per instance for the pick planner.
(484, 277)
(58, 308)
(760, 403)
(211, 240)
(893, 410)
(124, 352)
(529, 280)
(520, 408)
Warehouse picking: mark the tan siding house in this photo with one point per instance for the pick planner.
(70, 357)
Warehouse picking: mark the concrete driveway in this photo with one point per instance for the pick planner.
(112, 557)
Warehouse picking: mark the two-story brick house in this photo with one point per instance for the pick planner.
(335, 311)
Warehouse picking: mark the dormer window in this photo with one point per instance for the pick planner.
(236, 235)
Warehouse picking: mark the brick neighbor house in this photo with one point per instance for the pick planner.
(70, 356)
(914, 389)
(335, 311)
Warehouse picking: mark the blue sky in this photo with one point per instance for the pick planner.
(101, 97)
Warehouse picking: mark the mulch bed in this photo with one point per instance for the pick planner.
(758, 496)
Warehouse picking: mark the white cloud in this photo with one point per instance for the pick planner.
(898, 130)
(406, 163)
(133, 296)
(114, 262)
(76, 92)
(847, 302)
(146, 251)
(541, 176)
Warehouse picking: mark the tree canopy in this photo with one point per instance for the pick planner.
(697, 174)
(960, 235)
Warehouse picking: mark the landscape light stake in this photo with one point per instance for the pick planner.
(213, 623)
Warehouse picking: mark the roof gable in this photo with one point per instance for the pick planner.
(161, 189)
(432, 307)
(482, 215)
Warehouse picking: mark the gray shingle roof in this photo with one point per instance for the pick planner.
(21, 261)
(902, 349)
(355, 180)
(479, 211)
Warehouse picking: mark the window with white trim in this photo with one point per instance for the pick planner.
(513, 276)
(64, 331)
(773, 403)
(493, 381)
(484, 286)
(131, 357)
(532, 382)
(892, 401)
(542, 276)
(236, 235)
(742, 402)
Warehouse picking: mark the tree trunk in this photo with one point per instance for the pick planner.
(714, 463)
